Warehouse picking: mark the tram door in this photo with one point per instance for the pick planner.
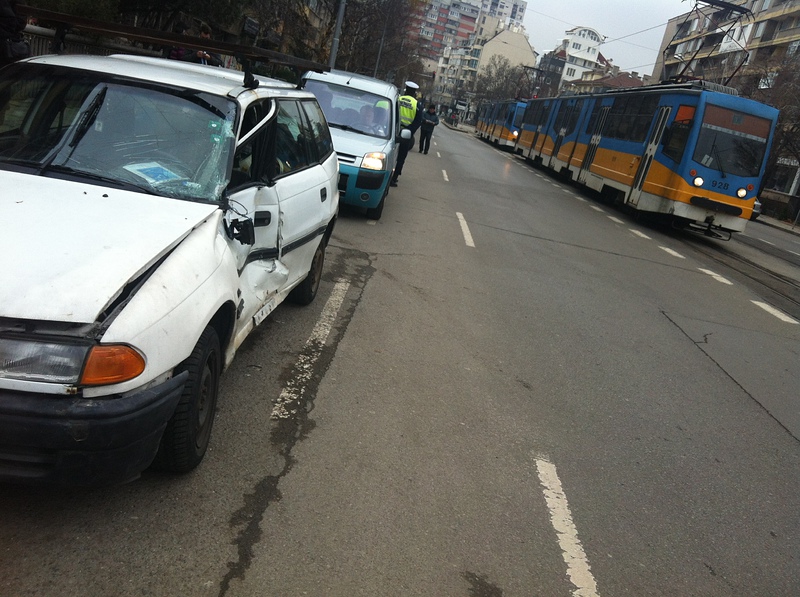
(594, 143)
(649, 153)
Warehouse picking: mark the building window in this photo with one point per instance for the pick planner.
(576, 46)
(570, 72)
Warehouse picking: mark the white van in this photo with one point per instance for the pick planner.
(364, 119)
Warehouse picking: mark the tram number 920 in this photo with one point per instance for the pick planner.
(718, 184)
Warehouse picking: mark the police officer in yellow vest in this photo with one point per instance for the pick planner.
(410, 118)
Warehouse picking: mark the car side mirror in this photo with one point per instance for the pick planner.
(243, 230)
(405, 134)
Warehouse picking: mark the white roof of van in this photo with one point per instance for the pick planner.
(341, 77)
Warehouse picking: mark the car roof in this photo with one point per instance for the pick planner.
(363, 82)
(215, 80)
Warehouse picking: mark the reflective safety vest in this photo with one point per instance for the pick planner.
(408, 110)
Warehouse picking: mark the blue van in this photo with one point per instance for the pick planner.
(364, 121)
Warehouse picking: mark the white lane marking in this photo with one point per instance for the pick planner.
(640, 234)
(578, 568)
(289, 399)
(673, 253)
(438, 155)
(793, 253)
(579, 198)
(717, 277)
(600, 209)
(371, 222)
(444, 174)
(773, 311)
(617, 220)
(766, 242)
(465, 230)
(558, 186)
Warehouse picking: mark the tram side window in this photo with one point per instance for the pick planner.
(573, 117)
(630, 118)
(537, 113)
(677, 134)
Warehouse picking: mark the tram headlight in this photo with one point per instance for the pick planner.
(515, 133)
(741, 193)
(698, 181)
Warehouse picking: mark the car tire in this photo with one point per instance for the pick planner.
(305, 292)
(374, 213)
(188, 432)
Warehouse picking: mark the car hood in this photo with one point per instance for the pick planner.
(356, 144)
(69, 248)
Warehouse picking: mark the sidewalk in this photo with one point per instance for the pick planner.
(774, 223)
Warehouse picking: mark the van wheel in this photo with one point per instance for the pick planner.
(374, 213)
(188, 432)
(304, 293)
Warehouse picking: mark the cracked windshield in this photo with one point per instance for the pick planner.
(140, 138)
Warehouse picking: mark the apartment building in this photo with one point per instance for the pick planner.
(439, 24)
(511, 12)
(459, 66)
(726, 40)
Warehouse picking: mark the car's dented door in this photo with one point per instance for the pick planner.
(253, 207)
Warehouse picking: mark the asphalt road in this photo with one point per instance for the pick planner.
(504, 388)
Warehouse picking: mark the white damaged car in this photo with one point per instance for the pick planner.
(153, 213)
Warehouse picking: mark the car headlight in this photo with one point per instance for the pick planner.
(68, 363)
(374, 161)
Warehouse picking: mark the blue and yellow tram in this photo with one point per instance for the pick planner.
(500, 122)
(690, 151)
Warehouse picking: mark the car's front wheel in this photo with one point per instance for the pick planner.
(188, 432)
(304, 293)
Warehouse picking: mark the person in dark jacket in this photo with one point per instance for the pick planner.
(429, 121)
(202, 56)
(11, 27)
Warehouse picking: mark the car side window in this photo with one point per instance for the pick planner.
(250, 158)
(292, 140)
(320, 133)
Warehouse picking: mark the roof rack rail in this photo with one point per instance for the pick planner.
(246, 55)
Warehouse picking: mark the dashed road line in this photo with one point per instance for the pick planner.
(600, 209)
(640, 234)
(673, 253)
(444, 174)
(716, 276)
(465, 230)
(578, 569)
(616, 220)
(775, 312)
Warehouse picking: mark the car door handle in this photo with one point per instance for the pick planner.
(262, 218)
(323, 194)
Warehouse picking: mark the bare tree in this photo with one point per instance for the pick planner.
(500, 80)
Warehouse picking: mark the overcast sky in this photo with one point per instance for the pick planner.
(640, 22)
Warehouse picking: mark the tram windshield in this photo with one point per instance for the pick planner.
(732, 142)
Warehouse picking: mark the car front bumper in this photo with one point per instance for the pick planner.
(362, 188)
(65, 440)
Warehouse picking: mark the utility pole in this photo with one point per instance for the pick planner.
(337, 33)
